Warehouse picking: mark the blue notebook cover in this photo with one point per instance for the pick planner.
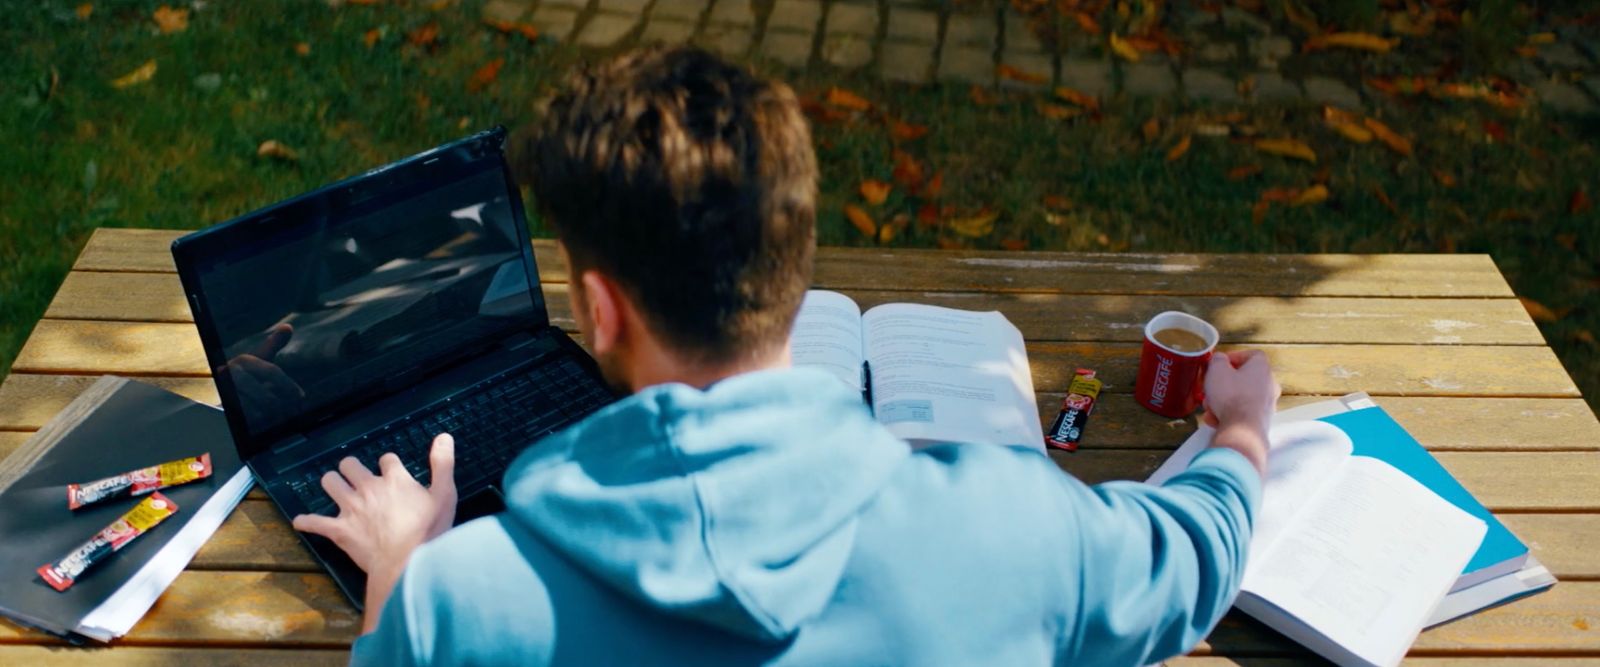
(1377, 435)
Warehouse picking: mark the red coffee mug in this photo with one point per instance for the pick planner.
(1172, 383)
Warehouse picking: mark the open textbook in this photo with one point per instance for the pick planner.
(1350, 555)
(930, 374)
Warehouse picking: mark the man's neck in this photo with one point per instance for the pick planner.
(666, 370)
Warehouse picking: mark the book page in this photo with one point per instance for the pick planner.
(946, 375)
(827, 336)
(1365, 564)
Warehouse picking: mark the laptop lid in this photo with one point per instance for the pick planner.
(323, 303)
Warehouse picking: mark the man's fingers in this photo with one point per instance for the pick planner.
(338, 489)
(442, 458)
(316, 524)
(389, 464)
(355, 471)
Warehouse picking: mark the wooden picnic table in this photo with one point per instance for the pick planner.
(1439, 340)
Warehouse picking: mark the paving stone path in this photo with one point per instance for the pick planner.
(1230, 57)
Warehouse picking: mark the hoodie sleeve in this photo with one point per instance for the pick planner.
(1155, 567)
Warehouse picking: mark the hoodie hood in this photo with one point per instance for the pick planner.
(735, 505)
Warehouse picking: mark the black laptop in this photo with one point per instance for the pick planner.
(375, 313)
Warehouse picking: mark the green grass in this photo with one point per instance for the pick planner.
(178, 152)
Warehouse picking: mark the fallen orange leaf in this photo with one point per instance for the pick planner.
(1081, 99)
(1144, 44)
(425, 36)
(1057, 202)
(874, 191)
(1444, 178)
(950, 244)
(887, 231)
(1383, 198)
(1301, 19)
(1280, 195)
(1394, 141)
(302, 49)
(169, 20)
(1087, 22)
(84, 11)
(842, 98)
(1291, 148)
(1258, 212)
(982, 97)
(902, 131)
(862, 220)
(1579, 201)
(1014, 244)
(974, 226)
(934, 186)
(1347, 124)
(370, 37)
(1123, 49)
(908, 172)
(139, 75)
(1178, 150)
(1018, 74)
(276, 149)
(1055, 111)
(1351, 40)
(485, 75)
(1538, 311)
(928, 215)
(1151, 129)
(1243, 171)
(1315, 194)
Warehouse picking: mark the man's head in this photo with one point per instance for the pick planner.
(684, 192)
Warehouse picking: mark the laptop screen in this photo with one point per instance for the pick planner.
(340, 299)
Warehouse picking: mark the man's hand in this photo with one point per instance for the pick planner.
(384, 517)
(268, 393)
(1241, 396)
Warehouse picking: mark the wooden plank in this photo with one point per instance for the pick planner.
(27, 401)
(255, 537)
(284, 609)
(169, 349)
(162, 656)
(1567, 544)
(1053, 272)
(11, 440)
(281, 609)
(157, 297)
(1553, 622)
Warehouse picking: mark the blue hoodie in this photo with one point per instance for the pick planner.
(768, 520)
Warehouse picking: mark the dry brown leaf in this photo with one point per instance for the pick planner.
(1389, 137)
(1542, 38)
(1243, 171)
(1579, 202)
(485, 75)
(1347, 124)
(84, 11)
(908, 173)
(928, 215)
(169, 20)
(902, 131)
(370, 37)
(1301, 19)
(1178, 150)
(845, 99)
(874, 191)
(425, 36)
(1585, 336)
(277, 150)
(950, 244)
(862, 221)
(1014, 244)
(982, 97)
(1071, 96)
(302, 49)
(1444, 178)
(1258, 212)
(1056, 111)
(934, 186)
(1151, 129)
(1057, 202)
(1123, 49)
(1538, 311)
(1290, 148)
(1351, 40)
(139, 75)
(1087, 22)
(888, 230)
(974, 226)
(1019, 74)
(1315, 194)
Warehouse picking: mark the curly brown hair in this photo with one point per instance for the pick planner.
(689, 181)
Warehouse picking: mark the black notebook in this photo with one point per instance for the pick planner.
(116, 426)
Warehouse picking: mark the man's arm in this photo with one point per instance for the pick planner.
(384, 517)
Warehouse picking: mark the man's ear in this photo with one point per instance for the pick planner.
(603, 305)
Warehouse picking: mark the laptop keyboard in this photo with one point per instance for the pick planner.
(491, 422)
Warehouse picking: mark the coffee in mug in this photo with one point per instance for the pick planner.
(1172, 365)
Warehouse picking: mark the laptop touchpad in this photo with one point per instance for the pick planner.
(480, 504)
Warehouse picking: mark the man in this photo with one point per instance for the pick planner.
(735, 511)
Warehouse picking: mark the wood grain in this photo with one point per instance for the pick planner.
(1052, 272)
(170, 349)
(140, 656)
(157, 297)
